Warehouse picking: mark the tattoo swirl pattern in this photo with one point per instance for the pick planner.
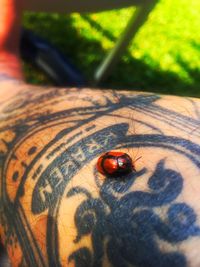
(129, 223)
(123, 222)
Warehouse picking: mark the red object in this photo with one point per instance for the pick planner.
(10, 27)
(115, 164)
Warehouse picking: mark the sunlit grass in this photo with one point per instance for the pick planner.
(164, 57)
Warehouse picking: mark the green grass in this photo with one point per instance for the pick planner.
(164, 57)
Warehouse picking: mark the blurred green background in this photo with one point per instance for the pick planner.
(164, 57)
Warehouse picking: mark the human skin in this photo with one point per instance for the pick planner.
(10, 20)
(58, 210)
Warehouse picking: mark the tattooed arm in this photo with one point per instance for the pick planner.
(57, 210)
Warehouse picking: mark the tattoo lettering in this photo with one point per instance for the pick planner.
(46, 148)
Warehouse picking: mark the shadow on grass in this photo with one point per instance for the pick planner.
(99, 28)
(87, 53)
(135, 74)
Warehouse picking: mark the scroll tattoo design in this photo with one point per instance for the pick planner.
(123, 223)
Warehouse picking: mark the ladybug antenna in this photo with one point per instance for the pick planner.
(137, 159)
(134, 163)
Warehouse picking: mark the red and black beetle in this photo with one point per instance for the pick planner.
(115, 164)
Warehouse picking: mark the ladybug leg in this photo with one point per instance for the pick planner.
(133, 168)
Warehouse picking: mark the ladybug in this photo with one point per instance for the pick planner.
(115, 164)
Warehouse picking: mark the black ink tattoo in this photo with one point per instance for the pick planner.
(123, 223)
(126, 227)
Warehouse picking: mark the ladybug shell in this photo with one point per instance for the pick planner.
(115, 164)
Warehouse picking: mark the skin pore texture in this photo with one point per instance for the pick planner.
(58, 210)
